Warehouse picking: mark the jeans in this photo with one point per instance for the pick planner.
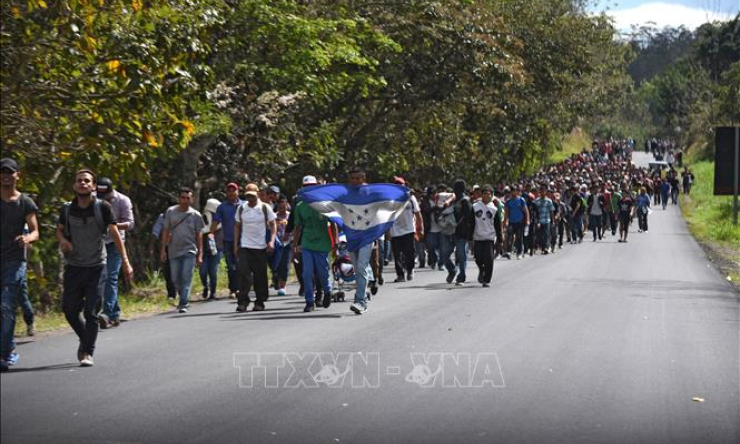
(642, 218)
(434, 243)
(576, 227)
(83, 290)
(182, 269)
(544, 236)
(253, 270)
(315, 265)
(209, 271)
(12, 280)
(460, 246)
(283, 263)
(403, 254)
(515, 232)
(231, 266)
(110, 296)
(421, 253)
(484, 260)
(595, 224)
(361, 261)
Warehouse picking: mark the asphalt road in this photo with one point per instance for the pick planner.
(600, 343)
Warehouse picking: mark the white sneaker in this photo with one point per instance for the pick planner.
(86, 361)
(357, 309)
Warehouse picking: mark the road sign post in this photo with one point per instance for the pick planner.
(737, 173)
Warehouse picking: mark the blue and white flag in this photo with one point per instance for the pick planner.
(365, 213)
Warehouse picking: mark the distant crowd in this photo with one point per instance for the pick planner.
(261, 234)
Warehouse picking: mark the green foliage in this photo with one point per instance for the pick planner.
(709, 216)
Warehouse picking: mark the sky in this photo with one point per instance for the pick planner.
(689, 13)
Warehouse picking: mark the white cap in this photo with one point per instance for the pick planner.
(309, 180)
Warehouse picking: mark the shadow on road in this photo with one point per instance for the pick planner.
(43, 368)
(296, 316)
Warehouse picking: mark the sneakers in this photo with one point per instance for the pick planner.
(182, 310)
(440, 268)
(327, 301)
(31, 330)
(232, 295)
(13, 358)
(241, 308)
(358, 309)
(114, 323)
(450, 277)
(258, 307)
(400, 279)
(104, 321)
(459, 284)
(518, 257)
(486, 285)
(309, 308)
(86, 361)
(410, 276)
(281, 292)
(204, 294)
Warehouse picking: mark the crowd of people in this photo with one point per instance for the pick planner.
(261, 234)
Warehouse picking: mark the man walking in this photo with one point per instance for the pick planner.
(361, 257)
(458, 241)
(17, 211)
(517, 217)
(123, 214)
(313, 244)
(81, 232)
(253, 219)
(402, 237)
(545, 214)
(226, 216)
(182, 244)
(487, 231)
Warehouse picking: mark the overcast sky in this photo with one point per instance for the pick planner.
(690, 13)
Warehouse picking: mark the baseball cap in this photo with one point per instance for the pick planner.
(309, 180)
(104, 186)
(273, 189)
(251, 189)
(398, 180)
(232, 185)
(9, 164)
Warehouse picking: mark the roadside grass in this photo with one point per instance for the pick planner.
(147, 297)
(573, 143)
(709, 218)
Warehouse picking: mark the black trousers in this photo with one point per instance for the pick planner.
(171, 289)
(83, 293)
(404, 253)
(252, 266)
(484, 259)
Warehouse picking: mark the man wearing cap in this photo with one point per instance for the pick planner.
(83, 226)
(226, 216)
(272, 195)
(402, 237)
(17, 211)
(313, 244)
(124, 216)
(254, 242)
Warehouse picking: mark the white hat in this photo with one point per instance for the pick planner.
(211, 205)
(309, 180)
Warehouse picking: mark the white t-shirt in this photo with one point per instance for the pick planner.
(254, 229)
(484, 216)
(405, 222)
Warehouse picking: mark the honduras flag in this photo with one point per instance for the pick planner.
(364, 213)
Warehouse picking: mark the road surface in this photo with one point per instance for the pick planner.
(600, 343)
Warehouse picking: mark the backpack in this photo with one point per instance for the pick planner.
(446, 220)
(97, 210)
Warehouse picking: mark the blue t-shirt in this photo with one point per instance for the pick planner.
(515, 208)
(226, 214)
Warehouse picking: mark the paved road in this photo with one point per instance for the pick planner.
(600, 343)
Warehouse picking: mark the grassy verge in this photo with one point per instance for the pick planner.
(709, 218)
(573, 143)
(149, 297)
